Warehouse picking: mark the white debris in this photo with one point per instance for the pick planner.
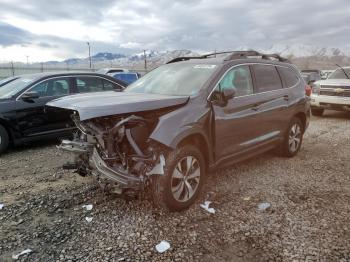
(158, 169)
(162, 246)
(264, 206)
(27, 251)
(88, 207)
(88, 219)
(207, 208)
(1, 206)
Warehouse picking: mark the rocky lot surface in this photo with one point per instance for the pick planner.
(308, 219)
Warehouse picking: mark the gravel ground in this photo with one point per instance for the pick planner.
(308, 219)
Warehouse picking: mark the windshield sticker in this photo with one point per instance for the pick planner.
(204, 66)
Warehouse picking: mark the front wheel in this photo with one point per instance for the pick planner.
(293, 138)
(183, 179)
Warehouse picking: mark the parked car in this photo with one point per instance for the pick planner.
(128, 77)
(311, 75)
(167, 130)
(332, 93)
(111, 70)
(7, 80)
(22, 101)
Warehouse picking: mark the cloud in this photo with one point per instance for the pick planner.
(129, 25)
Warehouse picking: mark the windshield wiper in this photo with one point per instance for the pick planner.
(343, 70)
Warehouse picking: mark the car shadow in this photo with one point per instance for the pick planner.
(335, 115)
(31, 146)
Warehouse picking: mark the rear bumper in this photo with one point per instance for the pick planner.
(330, 102)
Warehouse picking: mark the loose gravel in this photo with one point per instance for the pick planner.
(307, 218)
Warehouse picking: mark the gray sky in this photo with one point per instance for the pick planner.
(58, 29)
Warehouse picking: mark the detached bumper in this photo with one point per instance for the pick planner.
(330, 102)
(118, 175)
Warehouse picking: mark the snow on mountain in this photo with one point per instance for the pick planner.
(301, 50)
(154, 58)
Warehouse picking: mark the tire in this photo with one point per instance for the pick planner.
(317, 111)
(171, 190)
(293, 138)
(4, 139)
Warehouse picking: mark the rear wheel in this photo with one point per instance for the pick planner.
(4, 139)
(293, 138)
(317, 111)
(182, 181)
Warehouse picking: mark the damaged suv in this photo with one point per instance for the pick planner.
(165, 132)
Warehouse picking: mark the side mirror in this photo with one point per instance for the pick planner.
(228, 93)
(30, 95)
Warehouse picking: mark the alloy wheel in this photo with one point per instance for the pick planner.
(185, 179)
(294, 138)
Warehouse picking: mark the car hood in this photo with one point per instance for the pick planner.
(334, 82)
(101, 104)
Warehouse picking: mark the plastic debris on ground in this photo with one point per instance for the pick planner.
(207, 208)
(247, 198)
(88, 219)
(88, 207)
(162, 246)
(27, 251)
(264, 206)
(1, 206)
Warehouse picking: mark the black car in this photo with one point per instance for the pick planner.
(23, 117)
(166, 131)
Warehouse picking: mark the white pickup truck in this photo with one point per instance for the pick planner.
(332, 93)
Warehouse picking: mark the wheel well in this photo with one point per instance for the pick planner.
(7, 129)
(302, 118)
(198, 141)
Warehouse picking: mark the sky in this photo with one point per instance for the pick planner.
(45, 30)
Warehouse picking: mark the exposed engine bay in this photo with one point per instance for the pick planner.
(117, 150)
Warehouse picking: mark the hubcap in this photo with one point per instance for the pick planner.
(185, 179)
(294, 138)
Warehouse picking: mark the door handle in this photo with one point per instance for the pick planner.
(286, 97)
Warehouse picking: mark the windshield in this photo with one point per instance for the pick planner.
(173, 79)
(339, 74)
(12, 88)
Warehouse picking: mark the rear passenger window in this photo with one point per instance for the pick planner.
(289, 77)
(89, 84)
(267, 78)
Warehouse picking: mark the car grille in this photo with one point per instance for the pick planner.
(341, 91)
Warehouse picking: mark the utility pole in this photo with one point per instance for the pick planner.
(144, 56)
(27, 60)
(89, 54)
(42, 66)
(12, 68)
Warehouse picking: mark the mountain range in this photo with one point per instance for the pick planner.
(299, 54)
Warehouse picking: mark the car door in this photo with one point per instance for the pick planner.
(237, 122)
(32, 116)
(272, 101)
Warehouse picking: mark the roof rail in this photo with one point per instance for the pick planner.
(233, 55)
(252, 53)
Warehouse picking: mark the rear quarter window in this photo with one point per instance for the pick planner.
(289, 77)
(266, 78)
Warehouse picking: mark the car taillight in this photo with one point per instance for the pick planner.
(308, 90)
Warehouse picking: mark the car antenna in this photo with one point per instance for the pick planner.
(343, 70)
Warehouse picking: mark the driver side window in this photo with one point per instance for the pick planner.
(239, 78)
